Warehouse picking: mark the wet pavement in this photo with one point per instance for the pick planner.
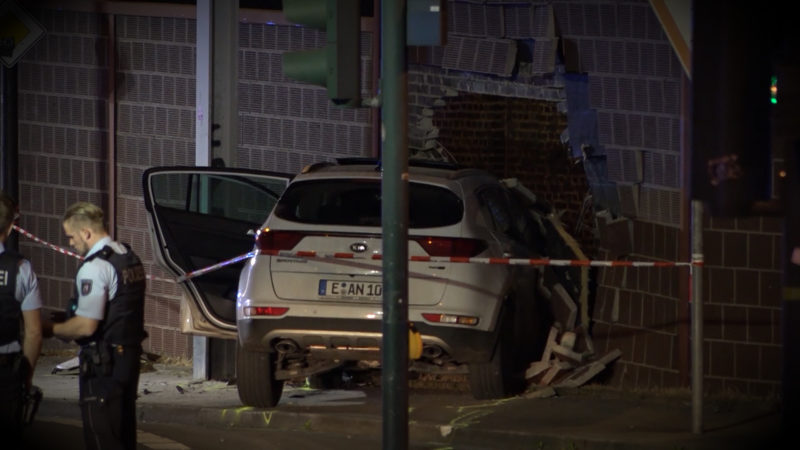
(589, 417)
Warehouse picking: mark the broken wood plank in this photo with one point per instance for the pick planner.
(536, 368)
(563, 353)
(551, 341)
(557, 367)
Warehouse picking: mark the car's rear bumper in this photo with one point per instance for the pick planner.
(462, 344)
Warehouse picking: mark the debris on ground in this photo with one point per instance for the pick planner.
(568, 360)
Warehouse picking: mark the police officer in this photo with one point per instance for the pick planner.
(108, 324)
(19, 296)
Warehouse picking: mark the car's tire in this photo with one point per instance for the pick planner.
(497, 378)
(255, 378)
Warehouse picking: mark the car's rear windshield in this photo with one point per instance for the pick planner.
(358, 203)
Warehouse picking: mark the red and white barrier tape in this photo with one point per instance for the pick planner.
(216, 266)
(696, 260)
(32, 237)
(503, 261)
(451, 259)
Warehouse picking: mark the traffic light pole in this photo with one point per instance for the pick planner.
(394, 156)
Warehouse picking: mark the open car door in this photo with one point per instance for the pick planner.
(199, 217)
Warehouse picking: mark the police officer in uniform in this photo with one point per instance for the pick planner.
(108, 324)
(19, 299)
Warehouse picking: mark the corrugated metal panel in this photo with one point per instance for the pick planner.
(629, 200)
(586, 55)
(620, 129)
(663, 57)
(639, 16)
(527, 21)
(664, 134)
(475, 19)
(575, 20)
(661, 205)
(495, 21)
(610, 93)
(591, 20)
(635, 131)
(647, 53)
(655, 93)
(614, 164)
(517, 20)
(626, 94)
(544, 56)
(608, 19)
(650, 134)
(603, 57)
(672, 96)
(495, 56)
(604, 127)
(639, 89)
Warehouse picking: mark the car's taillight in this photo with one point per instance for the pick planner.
(450, 318)
(454, 247)
(251, 311)
(271, 241)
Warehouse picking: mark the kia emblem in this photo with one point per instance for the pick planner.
(358, 247)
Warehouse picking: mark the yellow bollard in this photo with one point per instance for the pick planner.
(414, 342)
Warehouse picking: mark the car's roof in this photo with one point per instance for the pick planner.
(371, 168)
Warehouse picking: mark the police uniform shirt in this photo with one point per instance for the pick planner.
(97, 281)
(26, 292)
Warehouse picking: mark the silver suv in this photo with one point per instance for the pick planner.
(309, 297)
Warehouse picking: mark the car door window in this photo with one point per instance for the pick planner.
(204, 216)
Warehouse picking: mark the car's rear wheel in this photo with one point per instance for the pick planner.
(255, 378)
(497, 378)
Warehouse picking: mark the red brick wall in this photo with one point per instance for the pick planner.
(742, 305)
(515, 137)
(638, 310)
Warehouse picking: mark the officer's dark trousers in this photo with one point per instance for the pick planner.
(13, 373)
(108, 402)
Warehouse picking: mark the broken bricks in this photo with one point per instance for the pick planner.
(567, 361)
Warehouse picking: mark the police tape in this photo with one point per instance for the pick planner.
(697, 260)
(25, 233)
(214, 267)
(36, 239)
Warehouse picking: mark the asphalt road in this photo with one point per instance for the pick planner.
(67, 434)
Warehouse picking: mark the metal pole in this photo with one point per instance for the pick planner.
(394, 92)
(697, 316)
(202, 136)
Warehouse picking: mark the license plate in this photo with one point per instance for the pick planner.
(350, 290)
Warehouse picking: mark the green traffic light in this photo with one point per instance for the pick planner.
(773, 90)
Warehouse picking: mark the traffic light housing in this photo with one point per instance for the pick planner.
(337, 66)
